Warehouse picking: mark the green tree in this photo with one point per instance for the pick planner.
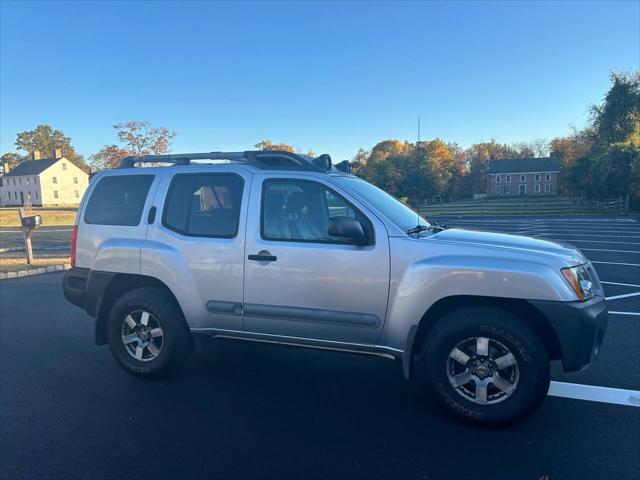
(617, 118)
(11, 160)
(45, 140)
(609, 167)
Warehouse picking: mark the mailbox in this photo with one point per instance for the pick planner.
(31, 222)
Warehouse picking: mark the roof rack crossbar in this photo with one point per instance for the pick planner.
(264, 159)
(181, 158)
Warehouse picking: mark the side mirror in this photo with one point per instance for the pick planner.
(347, 228)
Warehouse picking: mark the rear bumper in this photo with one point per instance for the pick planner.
(74, 285)
(580, 328)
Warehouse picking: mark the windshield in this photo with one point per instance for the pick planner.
(390, 207)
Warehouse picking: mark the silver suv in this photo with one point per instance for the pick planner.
(284, 248)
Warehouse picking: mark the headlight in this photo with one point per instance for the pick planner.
(579, 279)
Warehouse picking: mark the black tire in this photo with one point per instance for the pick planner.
(503, 329)
(176, 342)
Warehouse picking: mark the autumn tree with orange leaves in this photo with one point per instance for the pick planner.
(136, 139)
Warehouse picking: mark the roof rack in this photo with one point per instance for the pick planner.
(263, 159)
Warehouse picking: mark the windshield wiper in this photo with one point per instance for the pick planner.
(435, 226)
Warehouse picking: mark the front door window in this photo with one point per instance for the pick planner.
(298, 210)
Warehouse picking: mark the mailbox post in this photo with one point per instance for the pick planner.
(29, 224)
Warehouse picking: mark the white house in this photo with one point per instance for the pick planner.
(46, 182)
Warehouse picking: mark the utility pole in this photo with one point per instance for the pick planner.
(418, 129)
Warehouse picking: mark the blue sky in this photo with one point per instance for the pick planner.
(329, 76)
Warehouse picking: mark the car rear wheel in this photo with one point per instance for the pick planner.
(485, 365)
(147, 333)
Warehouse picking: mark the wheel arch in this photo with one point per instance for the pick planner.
(116, 286)
(523, 309)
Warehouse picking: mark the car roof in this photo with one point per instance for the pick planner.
(260, 160)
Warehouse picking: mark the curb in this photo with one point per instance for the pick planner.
(11, 249)
(35, 271)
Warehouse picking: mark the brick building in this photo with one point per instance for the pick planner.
(523, 176)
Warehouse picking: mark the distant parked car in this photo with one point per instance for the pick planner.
(284, 248)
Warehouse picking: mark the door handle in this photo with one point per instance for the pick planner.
(151, 217)
(263, 256)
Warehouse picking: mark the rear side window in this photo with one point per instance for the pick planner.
(204, 205)
(118, 200)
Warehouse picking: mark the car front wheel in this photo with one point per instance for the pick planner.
(485, 365)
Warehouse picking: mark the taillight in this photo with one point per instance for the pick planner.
(74, 239)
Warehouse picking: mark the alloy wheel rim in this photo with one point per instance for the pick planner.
(142, 335)
(483, 370)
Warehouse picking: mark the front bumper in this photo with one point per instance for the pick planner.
(580, 328)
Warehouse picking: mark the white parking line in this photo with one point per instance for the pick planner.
(573, 240)
(616, 396)
(626, 295)
(625, 313)
(616, 263)
(607, 250)
(621, 284)
(549, 234)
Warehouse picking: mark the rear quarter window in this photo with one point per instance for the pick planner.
(204, 205)
(118, 200)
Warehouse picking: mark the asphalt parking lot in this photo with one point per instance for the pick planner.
(245, 410)
(47, 238)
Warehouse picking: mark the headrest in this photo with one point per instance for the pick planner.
(274, 202)
(296, 202)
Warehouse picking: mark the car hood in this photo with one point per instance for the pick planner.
(505, 241)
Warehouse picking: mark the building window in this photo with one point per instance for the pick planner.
(20, 180)
(537, 177)
(523, 189)
(35, 180)
(64, 166)
(507, 189)
(14, 181)
(498, 189)
(77, 194)
(498, 178)
(55, 179)
(537, 188)
(508, 180)
(75, 180)
(523, 178)
(547, 187)
(55, 194)
(36, 194)
(27, 180)
(15, 194)
(547, 177)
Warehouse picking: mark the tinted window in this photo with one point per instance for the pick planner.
(301, 210)
(204, 204)
(118, 200)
